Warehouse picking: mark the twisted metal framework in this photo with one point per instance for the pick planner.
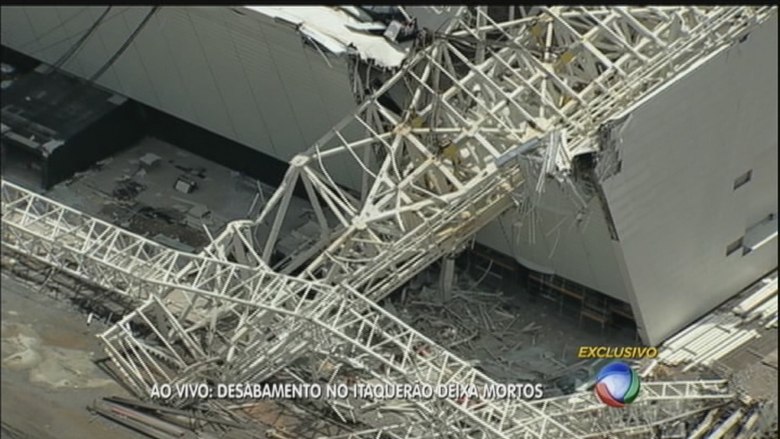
(484, 110)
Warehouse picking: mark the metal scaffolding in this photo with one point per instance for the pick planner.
(489, 112)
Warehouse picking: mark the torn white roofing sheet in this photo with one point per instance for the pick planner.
(327, 25)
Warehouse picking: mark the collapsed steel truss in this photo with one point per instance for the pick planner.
(487, 112)
(112, 258)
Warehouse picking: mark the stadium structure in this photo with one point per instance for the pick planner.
(623, 156)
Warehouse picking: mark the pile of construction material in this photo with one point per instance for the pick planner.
(736, 422)
(725, 330)
(760, 303)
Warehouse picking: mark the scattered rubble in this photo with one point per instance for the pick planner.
(127, 189)
(494, 331)
(136, 189)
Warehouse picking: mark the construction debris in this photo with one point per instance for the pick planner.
(185, 185)
(480, 325)
(127, 190)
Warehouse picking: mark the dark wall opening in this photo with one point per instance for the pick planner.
(136, 120)
(64, 124)
(21, 62)
(114, 132)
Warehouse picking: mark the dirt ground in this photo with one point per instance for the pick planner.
(48, 374)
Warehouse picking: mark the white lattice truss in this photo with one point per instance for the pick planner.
(487, 107)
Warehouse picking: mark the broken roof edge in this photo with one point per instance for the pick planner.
(328, 27)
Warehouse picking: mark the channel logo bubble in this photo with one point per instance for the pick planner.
(617, 384)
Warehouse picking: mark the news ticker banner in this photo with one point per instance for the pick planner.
(526, 391)
(612, 379)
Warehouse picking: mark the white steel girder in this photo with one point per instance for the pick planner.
(549, 80)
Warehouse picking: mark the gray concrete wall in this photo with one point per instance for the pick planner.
(674, 204)
(243, 76)
(556, 242)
